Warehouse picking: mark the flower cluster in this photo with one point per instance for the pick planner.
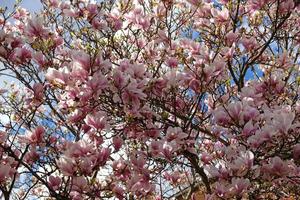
(134, 99)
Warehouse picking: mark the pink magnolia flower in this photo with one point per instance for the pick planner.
(40, 59)
(31, 157)
(221, 117)
(296, 151)
(251, 92)
(224, 173)
(255, 140)
(86, 165)
(117, 142)
(284, 61)
(38, 134)
(174, 78)
(204, 11)
(3, 52)
(76, 195)
(221, 190)
(249, 129)
(256, 5)
(136, 70)
(99, 24)
(156, 147)
(278, 167)
(34, 137)
(75, 116)
(3, 136)
(144, 22)
(21, 13)
(58, 40)
(104, 64)
(137, 17)
(138, 161)
(119, 79)
(172, 62)
(133, 94)
(115, 20)
(231, 37)
(153, 132)
(14, 42)
(266, 133)
(141, 43)
(118, 191)
(194, 2)
(97, 121)
(175, 134)
(286, 6)
(64, 5)
(209, 71)
(82, 58)
(78, 149)
(68, 11)
(79, 184)
(4, 172)
(92, 8)
(121, 169)
(174, 177)
(57, 76)
(195, 85)
(240, 185)
(219, 64)
(54, 182)
(66, 166)
(243, 163)
(220, 16)
(158, 86)
(235, 109)
(283, 121)
(249, 113)
(103, 156)
(249, 43)
(35, 28)
(141, 186)
(53, 3)
(167, 151)
(228, 52)
(38, 91)
(21, 55)
(78, 72)
(224, 1)
(206, 158)
(122, 87)
(162, 36)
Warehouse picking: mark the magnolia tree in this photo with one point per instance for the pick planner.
(142, 99)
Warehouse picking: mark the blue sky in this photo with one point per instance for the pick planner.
(30, 5)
